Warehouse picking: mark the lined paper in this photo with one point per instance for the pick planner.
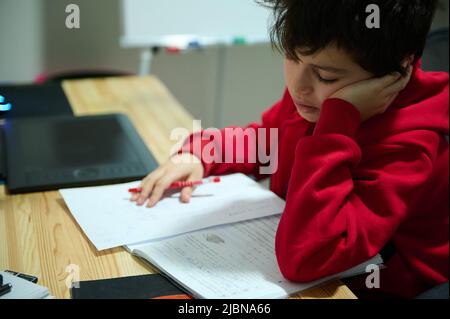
(229, 262)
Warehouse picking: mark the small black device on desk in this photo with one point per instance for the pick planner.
(34, 100)
(49, 153)
(152, 286)
(4, 289)
(30, 278)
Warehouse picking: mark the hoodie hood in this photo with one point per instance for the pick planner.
(422, 105)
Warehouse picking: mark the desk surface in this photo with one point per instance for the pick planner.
(38, 235)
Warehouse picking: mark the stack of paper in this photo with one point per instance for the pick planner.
(221, 245)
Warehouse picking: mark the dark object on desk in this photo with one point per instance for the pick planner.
(59, 152)
(29, 278)
(152, 286)
(4, 289)
(2, 156)
(35, 100)
(5, 106)
(31, 101)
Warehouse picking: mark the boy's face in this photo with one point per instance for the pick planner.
(316, 77)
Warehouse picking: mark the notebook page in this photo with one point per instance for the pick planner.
(228, 262)
(109, 219)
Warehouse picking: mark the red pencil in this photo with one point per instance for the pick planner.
(181, 184)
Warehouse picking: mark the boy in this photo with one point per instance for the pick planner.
(363, 158)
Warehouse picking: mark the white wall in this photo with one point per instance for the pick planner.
(21, 45)
(252, 81)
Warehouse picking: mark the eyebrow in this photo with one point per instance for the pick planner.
(329, 69)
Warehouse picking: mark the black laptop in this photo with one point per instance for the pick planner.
(31, 100)
(48, 153)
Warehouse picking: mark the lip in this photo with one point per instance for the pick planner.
(305, 107)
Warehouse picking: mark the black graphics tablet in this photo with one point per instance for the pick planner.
(48, 153)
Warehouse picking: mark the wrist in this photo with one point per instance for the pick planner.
(338, 117)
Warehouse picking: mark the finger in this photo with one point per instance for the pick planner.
(148, 184)
(186, 192)
(401, 84)
(163, 184)
(386, 81)
(388, 103)
(146, 190)
(155, 174)
(134, 197)
(158, 191)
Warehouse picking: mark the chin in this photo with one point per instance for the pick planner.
(312, 118)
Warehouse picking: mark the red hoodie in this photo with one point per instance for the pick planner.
(352, 188)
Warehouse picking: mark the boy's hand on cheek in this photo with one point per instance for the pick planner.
(372, 97)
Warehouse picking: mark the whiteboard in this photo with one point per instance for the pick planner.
(179, 23)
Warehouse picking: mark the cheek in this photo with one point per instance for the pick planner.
(323, 92)
(289, 72)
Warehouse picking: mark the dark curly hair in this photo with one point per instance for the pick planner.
(308, 26)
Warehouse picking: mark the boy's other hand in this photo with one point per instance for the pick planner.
(374, 96)
(185, 167)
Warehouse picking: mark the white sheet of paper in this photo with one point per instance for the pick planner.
(229, 261)
(109, 219)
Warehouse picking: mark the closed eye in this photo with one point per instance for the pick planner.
(323, 80)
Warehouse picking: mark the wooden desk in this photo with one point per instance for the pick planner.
(38, 235)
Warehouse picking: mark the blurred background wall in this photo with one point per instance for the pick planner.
(34, 39)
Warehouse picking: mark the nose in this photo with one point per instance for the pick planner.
(306, 90)
(304, 82)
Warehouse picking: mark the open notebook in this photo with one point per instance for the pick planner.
(234, 261)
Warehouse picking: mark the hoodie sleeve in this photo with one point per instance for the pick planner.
(340, 213)
(239, 149)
